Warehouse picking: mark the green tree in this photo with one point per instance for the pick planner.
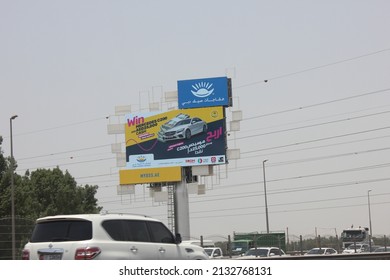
(5, 185)
(53, 192)
(38, 193)
(3, 163)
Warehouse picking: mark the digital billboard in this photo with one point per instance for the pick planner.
(186, 137)
(205, 92)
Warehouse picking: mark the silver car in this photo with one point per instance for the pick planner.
(181, 128)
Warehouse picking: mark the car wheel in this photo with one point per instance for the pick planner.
(204, 128)
(188, 134)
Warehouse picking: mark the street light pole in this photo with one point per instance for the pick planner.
(265, 196)
(12, 193)
(369, 213)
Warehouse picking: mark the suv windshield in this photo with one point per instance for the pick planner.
(62, 230)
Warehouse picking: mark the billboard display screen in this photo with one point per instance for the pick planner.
(186, 137)
(205, 92)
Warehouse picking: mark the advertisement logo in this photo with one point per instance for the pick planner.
(202, 89)
(206, 92)
(141, 159)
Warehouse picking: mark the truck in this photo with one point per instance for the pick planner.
(353, 235)
(243, 241)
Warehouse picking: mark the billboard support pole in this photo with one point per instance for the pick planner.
(182, 211)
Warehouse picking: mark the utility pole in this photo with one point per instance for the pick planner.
(265, 196)
(369, 217)
(12, 193)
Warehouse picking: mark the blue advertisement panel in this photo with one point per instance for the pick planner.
(185, 137)
(205, 92)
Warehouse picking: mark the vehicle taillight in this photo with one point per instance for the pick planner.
(87, 253)
(25, 254)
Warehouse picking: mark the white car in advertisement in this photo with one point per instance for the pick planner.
(181, 127)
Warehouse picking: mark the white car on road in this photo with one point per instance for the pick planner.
(214, 252)
(357, 248)
(321, 251)
(263, 252)
(106, 237)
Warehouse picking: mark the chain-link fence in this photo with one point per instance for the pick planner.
(23, 229)
(295, 245)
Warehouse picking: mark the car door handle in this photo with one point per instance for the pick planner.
(161, 250)
(134, 249)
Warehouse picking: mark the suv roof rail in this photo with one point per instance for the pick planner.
(105, 212)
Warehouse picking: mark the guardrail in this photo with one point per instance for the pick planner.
(358, 256)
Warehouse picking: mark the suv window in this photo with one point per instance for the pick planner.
(160, 233)
(277, 252)
(127, 230)
(63, 230)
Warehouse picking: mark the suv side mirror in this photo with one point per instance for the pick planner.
(178, 238)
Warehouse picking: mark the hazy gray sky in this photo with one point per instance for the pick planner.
(322, 119)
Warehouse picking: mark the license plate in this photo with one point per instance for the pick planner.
(51, 257)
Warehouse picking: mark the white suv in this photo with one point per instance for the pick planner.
(106, 237)
(263, 252)
(357, 248)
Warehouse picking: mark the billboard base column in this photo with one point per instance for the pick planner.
(182, 211)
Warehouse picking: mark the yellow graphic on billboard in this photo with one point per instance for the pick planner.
(145, 126)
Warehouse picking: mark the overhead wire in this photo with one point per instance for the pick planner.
(256, 135)
(313, 68)
(56, 127)
(125, 207)
(271, 192)
(313, 125)
(290, 210)
(321, 146)
(66, 152)
(320, 104)
(320, 139)
(293, 203)
(279, 112)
